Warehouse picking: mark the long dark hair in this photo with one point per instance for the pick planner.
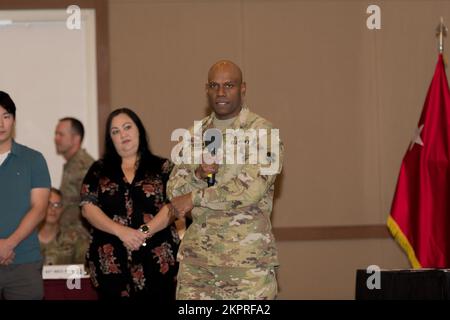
(146, 158)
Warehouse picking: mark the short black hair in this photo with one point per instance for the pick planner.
(77, 126)
(56, 191)
(7, 103)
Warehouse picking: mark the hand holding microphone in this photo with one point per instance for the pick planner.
(208, 169)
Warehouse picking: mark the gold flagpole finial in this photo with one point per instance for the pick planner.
(441, 32)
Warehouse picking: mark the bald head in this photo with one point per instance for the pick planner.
(223, 66)
(225, 89)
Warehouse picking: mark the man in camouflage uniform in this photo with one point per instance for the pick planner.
(229, 250)
(69, 135)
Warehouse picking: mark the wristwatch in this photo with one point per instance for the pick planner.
(144, 228)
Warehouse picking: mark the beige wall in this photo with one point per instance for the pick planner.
(345, 98)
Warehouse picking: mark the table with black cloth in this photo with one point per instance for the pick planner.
(418, 284)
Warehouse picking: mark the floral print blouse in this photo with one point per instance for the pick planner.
(115, 270)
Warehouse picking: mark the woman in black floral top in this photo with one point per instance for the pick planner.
(134, 241)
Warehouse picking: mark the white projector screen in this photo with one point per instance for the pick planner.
(50, 73)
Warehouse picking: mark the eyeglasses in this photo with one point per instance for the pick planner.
(55, 205)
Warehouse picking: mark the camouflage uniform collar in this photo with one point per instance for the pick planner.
(239, 123)
(77, 155)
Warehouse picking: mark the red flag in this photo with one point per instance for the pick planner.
(420, 213)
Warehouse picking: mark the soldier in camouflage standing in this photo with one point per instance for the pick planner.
(229, 250)
(69, 135)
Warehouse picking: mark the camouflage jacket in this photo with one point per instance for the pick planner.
(68, 247)
(231, 220)
(74, 171)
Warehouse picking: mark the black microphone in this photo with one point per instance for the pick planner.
(212, 144)
(211, 179)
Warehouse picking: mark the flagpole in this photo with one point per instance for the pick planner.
(441, 32)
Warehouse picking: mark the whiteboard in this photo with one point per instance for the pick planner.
(50, 73)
